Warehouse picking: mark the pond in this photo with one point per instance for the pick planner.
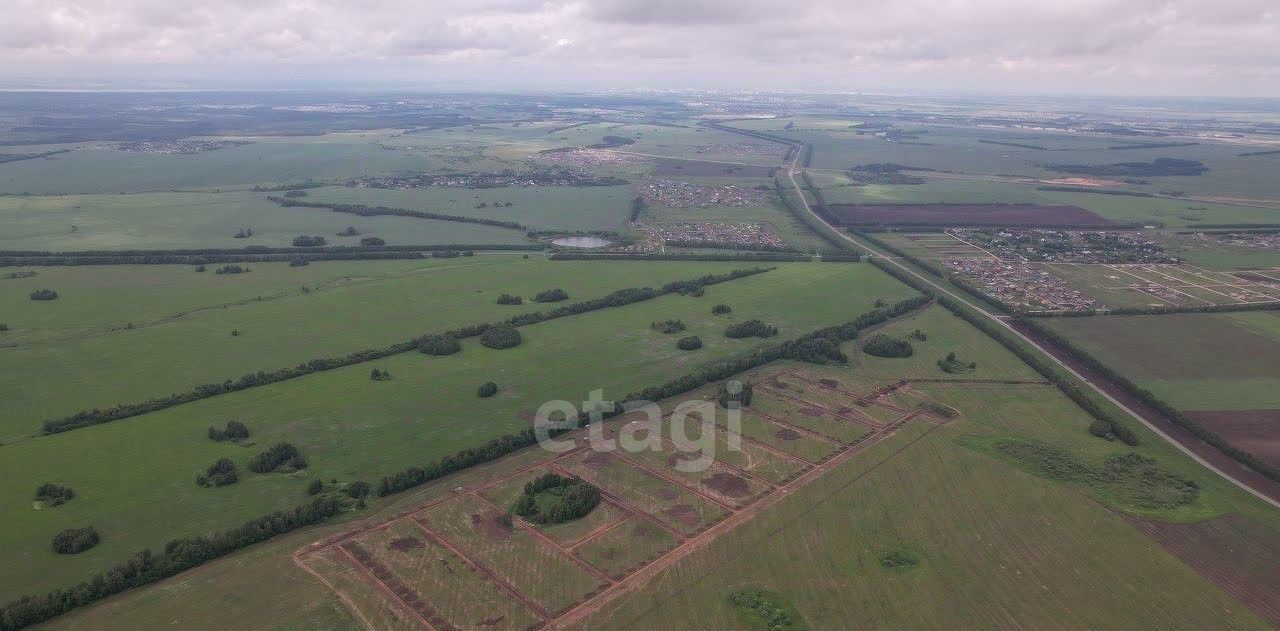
(580, 242)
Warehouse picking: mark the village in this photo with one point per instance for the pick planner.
(1020, 285)
(677, 194)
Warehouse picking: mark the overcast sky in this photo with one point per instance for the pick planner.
(1132, 47)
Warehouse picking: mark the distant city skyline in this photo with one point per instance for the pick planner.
(1097, 47)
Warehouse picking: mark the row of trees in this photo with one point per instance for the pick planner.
(760, 257)
(147, 567)
(253, 254)
(376, 211)
(617, 298)
(309, 241)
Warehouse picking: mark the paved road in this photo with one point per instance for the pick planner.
(794, 168)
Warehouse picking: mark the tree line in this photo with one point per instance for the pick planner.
(617, 298)
(375, 211)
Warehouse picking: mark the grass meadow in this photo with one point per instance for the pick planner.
(134, 478)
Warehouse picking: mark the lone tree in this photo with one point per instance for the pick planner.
(438, 345)
(75, 540)
(487, 389)
(734, 391)
(500, 337)
(721, 310)
(379, 375)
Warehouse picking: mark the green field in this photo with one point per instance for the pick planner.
(352, 428)
(1221, 361)
(78, 351)
(165, 221)
(992, 537)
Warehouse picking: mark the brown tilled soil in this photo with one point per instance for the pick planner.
(405, 544)
(811, 412)
(1255, 431)
(787, 433)
(682, 514)
(667, 495)
(1237, 554)
(491, 622)
(1257, 278)
(966, 215)
(727, 484)
(490, 525)
(644, 530)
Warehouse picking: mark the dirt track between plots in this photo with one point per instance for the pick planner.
(1029, 215)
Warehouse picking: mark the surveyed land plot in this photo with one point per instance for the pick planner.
(511, 574)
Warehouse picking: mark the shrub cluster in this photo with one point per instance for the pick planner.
(299, 262)
(379, 375)
(75, 540)
(668, 326)
(487, 389)
(757, 604)
(508, 299)
(54, 495)
(569, 498)
(372, 242)
(220, 473)
(231, 269)
(690, 343)
(235, 430)
(882, 345)
(309, 241)
(721, 309)
(750, 328)
(280, 455)
(501, 337)
(551, 295)
(44, 294)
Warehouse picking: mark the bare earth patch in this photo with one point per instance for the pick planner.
(405, 544)
(1255, 431)
(829, 383)
(811, 412)
(727, 484)
(787, 433)
(490, 525)
(682, 514)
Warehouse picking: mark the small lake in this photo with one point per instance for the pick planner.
(580, 242)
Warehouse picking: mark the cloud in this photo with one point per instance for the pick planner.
(1164, 43)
